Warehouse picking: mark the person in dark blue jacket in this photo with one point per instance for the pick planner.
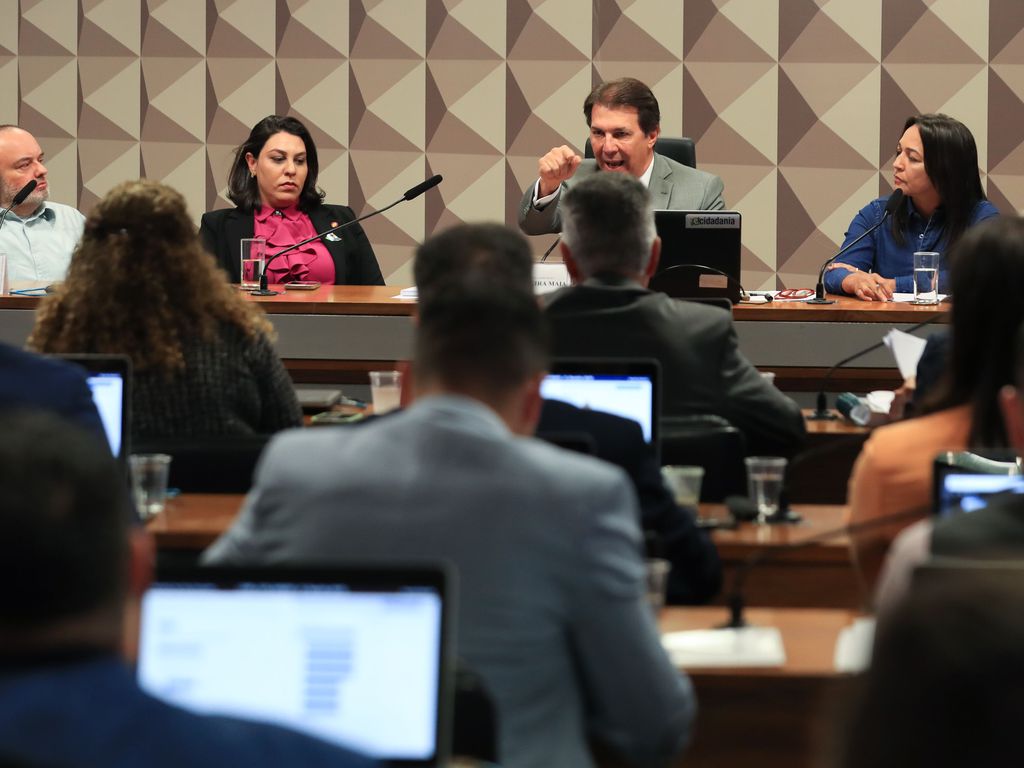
(28, 380)
(72, 563)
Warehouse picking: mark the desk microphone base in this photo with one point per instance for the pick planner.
(264, 292)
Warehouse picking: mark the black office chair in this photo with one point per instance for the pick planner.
(682, 150)
(710, 442)
(820, 475)
(208, 464)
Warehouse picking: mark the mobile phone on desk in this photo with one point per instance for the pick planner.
(302, 285)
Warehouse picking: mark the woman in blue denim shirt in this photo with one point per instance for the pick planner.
(936, 166)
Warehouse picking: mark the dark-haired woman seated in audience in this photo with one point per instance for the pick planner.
(273, 184)
(936, 168)
(141, 284)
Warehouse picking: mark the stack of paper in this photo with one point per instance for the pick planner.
(746, 647)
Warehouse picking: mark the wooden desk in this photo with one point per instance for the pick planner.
(338, 332)
(819, 575)
(767, 717)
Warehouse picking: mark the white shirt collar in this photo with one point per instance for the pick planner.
(645, 177)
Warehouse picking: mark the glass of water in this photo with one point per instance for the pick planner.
(254, 258)
(926, 277)
(149, 473)
(764, 484)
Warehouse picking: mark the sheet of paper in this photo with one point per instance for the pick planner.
(907, 350)
(408, 293)
(908, 297)
(853, 646)
(747, 647)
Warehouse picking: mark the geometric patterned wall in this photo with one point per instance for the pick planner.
(797, 104)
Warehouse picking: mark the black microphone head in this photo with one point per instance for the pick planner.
(895, 199)
(422, 187)
(23, 193)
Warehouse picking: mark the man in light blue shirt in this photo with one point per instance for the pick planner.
(37, 236)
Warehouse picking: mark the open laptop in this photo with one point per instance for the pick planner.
(964, 481)
(707, 241)
(356, 655)
(630, 388)
(110, 382)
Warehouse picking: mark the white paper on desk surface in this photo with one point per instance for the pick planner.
(408, 293)
(907, 349)
(908, 297)
(746, 647)
(853, 646)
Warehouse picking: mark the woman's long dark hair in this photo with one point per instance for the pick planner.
(951, 162)
(243, 190)
(987, 279)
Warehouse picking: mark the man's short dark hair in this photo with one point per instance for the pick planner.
(608, 224)
(488, 254)
(64, 521)
(481, 340)
(626, 92)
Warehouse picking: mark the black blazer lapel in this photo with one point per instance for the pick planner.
(323, 218)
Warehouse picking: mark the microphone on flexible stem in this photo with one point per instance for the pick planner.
(549, 250)
(821, 412)
(19, 198)
(735, 600)
(819, 290)
(410, 194)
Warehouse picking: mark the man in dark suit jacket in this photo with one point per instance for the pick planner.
(72, 563)
(354, 260)
(611, 251)
(28, 380)
(696, 574)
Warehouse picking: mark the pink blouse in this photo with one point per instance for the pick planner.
(281, 228)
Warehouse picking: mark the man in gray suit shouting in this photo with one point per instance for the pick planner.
(552, 599)
(625, 121)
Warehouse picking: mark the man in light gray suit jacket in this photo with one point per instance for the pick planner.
(625, 121)
(552, 608)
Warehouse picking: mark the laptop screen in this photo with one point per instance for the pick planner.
(967, 492)
(108, 395)
(626, 388)
(109, 379)
(356, 657)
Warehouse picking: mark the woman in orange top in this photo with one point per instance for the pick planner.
(893, 473)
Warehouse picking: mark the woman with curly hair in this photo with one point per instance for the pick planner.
(141, 284)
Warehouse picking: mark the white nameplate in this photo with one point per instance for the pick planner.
(549, 277)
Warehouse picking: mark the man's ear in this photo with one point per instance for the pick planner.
(531, 404)
(653, 136)
(652, 263)
(570, 264)
(141, 561)
(1013, 416)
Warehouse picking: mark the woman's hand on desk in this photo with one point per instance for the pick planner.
(867, 285)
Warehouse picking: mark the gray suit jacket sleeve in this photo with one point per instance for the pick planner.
(641, 707)
(673, 186)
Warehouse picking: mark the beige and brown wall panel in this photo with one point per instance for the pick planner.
(797, 104)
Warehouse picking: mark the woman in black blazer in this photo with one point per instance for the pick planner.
(273, 186)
